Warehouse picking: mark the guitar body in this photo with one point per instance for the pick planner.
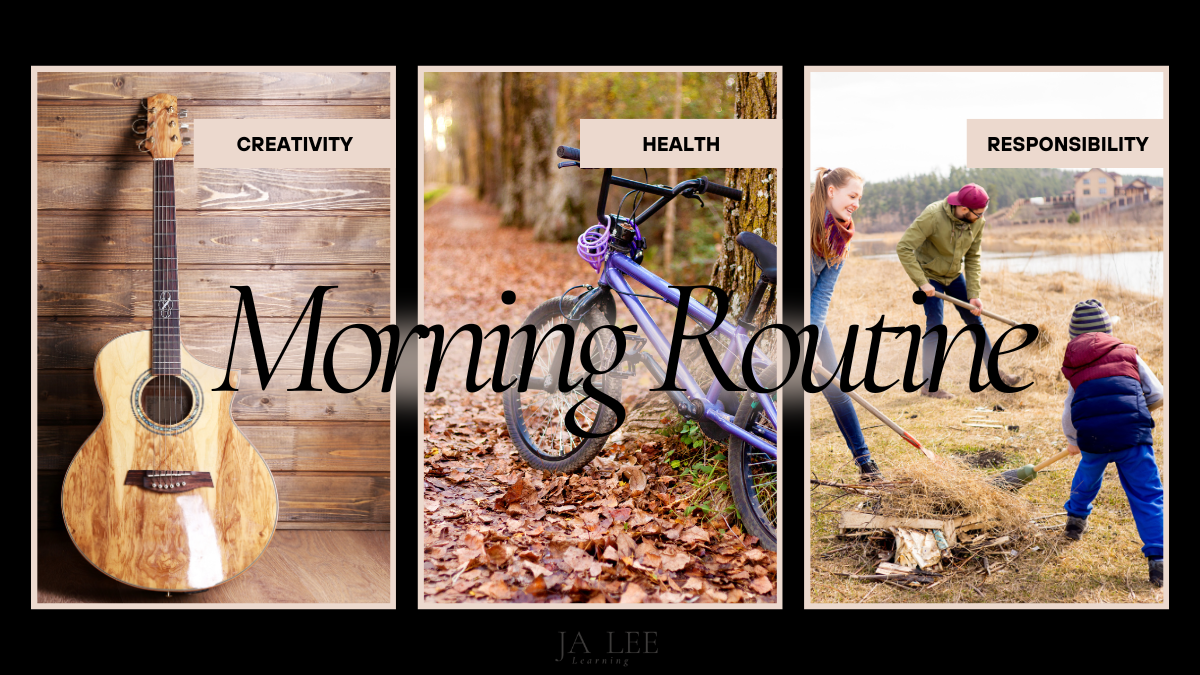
(185, 538)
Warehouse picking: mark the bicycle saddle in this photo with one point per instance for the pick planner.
(764, 254)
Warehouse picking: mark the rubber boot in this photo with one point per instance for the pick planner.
(1075, 528)
(870, 471)
(1156, 572)
(940, 393)
(1009, 379)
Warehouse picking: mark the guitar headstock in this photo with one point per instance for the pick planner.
(164, 133)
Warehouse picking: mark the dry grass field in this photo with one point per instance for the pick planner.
(1107, 565)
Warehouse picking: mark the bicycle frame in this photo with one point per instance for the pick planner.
(619, 266)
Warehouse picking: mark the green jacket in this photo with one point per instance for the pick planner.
(937, 244)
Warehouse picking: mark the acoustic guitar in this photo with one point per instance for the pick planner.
(166, 494)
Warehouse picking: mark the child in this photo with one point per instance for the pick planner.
(1106, 418)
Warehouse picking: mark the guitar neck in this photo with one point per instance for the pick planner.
(166, 272)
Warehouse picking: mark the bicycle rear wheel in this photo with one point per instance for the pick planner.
(752, 473)
(536, 418)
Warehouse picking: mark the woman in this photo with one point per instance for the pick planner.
(834, 200)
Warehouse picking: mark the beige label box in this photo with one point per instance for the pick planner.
(288, 144)
(1116, 143)
(680, 143)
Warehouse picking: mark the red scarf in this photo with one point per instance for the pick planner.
(839, 234)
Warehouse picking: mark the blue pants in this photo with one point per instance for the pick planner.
(1139, 477)
(823, 278)
(933, 317)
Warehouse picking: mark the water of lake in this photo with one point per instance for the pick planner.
(1140, 271)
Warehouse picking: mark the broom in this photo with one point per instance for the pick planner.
(1015, 479)
(833, 382)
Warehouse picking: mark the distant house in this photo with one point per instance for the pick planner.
(1136, 192)
(1094, 186)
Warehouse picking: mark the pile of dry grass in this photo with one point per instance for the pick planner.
(918, 488)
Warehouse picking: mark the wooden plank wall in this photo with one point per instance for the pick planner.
(281, 231)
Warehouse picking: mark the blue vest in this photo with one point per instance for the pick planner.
(1110, 415)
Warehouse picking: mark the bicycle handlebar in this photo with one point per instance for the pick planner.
(718, 189)
(567, 152)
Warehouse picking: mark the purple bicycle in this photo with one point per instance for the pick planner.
(562, 428)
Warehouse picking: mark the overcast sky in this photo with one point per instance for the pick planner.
(888, 125)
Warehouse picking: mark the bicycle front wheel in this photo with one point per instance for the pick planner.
(536, 418)
(753, 475)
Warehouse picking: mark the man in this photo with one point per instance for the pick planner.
(933, 250)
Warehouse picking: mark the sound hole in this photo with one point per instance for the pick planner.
(167, 400)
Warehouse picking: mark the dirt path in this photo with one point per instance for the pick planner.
(498, 531)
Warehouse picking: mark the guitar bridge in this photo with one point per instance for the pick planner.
(168, 481)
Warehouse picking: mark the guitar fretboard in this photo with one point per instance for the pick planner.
(166, 272)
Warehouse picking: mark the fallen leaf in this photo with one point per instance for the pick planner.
(577, 559)
(740, 574)
(715, 594)
(633, 595)
(754, 554)
(644, 548)
(474, 539)
(625, 544)
(426, 425)
(736, 595)
(620, 515)
(536, 569)
(652, 559)
(761, 585)
(670, 597)
(457, 476)
(610, 553)
(432, 505)
(694, 584)
(673, 563)
(538, 587)
(498, 554)
(495, 589)
(673, 533)
(693, 534)
(639, 518)
(517, 493)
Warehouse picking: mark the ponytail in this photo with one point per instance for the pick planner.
(817, 205)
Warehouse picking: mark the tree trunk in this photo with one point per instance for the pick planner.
(565, 211)
(672, 179)
(735, 271)
(485, 108)
(527, 151)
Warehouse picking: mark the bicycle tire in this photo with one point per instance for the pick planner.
(747, 493)
(531, 445)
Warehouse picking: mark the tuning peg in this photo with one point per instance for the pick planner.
(185, 126)
(183, 112)
(134, 126)
(187, 141)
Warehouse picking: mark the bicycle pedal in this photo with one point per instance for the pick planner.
(634, 345)
(625, 373)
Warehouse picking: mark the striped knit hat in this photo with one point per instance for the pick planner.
(1089, 317)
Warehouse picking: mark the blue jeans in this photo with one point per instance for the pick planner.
(933, 317)
(823, 278)
(1139, 476)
